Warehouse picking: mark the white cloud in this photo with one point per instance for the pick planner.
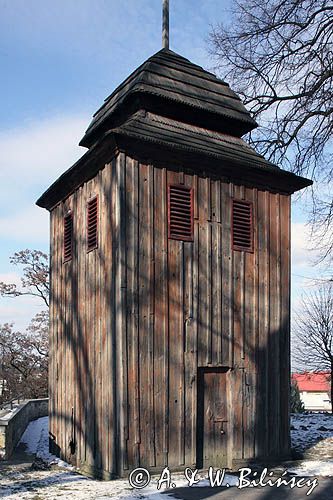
(301, 253)
(28, 226)
(32, 158)
(81, 31)
(304, 273)
(10, 278)
(19, 311)
(36, 154)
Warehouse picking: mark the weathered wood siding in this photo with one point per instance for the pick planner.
(83, 382)
(134, 320)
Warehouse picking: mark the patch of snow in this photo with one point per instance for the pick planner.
(313, 468)
(229, 479)
(64, 484)
(51, 485)
(307, 429)
(33, 432)
(36, 439)
(42, 450)
(7, 414)
(312, 436)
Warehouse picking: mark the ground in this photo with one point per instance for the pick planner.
(23, 477)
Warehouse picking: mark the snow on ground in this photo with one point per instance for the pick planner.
(34, 433)
(59, 483)
(52, 485)
(312, 437)
(308, 432)
(307, 429)
(313, 468)
(36, 440)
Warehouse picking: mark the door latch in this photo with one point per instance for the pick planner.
(220, 421)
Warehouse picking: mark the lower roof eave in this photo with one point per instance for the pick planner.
(225, 166)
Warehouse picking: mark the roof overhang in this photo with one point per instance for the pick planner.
(175, 145)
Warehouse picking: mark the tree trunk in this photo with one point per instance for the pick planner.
(332, 388)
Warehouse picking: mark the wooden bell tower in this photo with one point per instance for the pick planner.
(170, 278)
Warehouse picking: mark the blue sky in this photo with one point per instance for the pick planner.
(59, 60)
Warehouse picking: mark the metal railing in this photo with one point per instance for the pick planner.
(8, 405)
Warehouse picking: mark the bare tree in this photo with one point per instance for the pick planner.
(24, 356)
(313, 332)
(35, 280)
(278, 55)
(24, 360)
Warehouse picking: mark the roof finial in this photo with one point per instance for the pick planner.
(165, 31)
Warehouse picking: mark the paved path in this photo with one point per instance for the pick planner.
(324, 491)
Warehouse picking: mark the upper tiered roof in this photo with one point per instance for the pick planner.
(175, 87)
(174, 113)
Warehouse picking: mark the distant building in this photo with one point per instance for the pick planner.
(314, 390)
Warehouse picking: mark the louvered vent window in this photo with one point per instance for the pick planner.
(242, 231)
(180, 210)
(68, 237)
(92, 226)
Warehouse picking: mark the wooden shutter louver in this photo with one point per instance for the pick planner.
(92, 226)
(68, 237)
(242, 231)
(180, 212)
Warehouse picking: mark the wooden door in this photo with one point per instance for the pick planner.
(214, 418)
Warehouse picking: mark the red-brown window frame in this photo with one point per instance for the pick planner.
(240, 248)
(172, 236)
(68, 216)
(89, 202)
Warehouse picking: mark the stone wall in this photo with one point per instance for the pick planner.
(13, 424)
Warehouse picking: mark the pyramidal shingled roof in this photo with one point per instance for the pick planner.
(174, 111)
(173, 80)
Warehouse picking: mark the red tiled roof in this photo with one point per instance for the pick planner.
(309, 381)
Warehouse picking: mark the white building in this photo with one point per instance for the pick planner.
(315, 390)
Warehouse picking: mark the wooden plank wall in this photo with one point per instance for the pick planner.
(202, 305)
(133, 321)
(83, 387)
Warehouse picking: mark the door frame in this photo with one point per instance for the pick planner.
(200, 413)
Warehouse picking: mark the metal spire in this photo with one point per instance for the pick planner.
(165, 30)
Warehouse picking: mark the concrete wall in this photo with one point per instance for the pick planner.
(13, 424)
